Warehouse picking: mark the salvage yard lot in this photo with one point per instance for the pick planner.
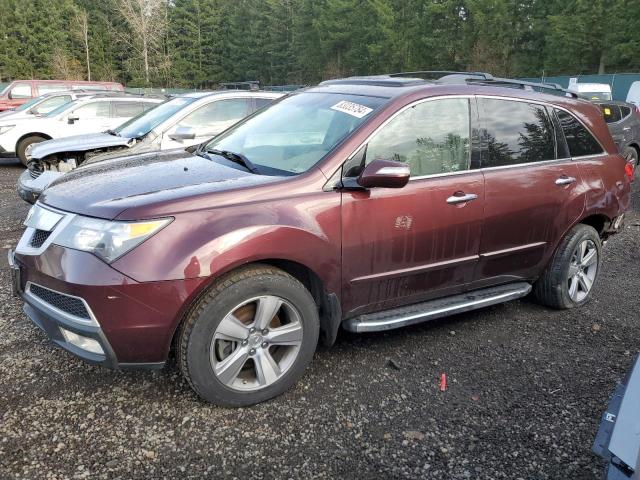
(527, 386)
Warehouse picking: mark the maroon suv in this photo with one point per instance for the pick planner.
(366, 203)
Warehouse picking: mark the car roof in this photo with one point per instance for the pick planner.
(234, 93)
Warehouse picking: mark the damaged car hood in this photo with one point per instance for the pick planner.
(107, 188)
(79, 143)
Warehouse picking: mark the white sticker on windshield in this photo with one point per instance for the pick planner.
(352, 109)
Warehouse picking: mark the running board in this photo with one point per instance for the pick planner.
(441, 307)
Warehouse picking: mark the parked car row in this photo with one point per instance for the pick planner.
(365, 203)
(19, 92)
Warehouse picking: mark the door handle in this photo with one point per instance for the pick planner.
(565, 180)
(454, 199)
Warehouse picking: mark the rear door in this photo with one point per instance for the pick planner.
(402, 246)
(532, 187)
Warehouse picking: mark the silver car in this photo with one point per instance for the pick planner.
(181, 122)
(623, 120)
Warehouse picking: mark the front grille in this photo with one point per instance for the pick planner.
(38, 238)
(70, 305)
(35, 169)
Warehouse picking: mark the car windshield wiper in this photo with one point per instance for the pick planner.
(235, 157)
(112, 132)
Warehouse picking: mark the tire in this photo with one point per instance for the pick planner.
(631, 155)
(207, 360)
(555, 288)
(24, 143)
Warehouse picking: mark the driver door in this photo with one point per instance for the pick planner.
(206, 122)
(89, 118)
(403, 246)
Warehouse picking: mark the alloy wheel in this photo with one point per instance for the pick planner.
(582, 270)
(256, 343)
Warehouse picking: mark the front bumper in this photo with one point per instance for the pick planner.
(132, 322)
(30, 188)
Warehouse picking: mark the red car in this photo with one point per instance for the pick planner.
(367, 203)
(20, 91)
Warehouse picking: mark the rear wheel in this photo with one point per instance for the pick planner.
(24, 143)
(250, 338)
(569, 278)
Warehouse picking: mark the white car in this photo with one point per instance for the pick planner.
(95, 113)
(44, 104)
(181, 122)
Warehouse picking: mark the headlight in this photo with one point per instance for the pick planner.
(107, 239)
(5, 128)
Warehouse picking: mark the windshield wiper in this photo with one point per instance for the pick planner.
(236, 158)
(112, 132)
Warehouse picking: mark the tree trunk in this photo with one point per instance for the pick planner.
(601, 66)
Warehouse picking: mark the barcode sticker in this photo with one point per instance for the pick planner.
(352, 109)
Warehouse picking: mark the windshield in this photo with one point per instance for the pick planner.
(142, 124)
(296, 133)
(5, 90)
(28, 104)
(596, 95)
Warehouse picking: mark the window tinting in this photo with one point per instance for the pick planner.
(611, 113)
(580, 141)
(515, 132)
(262, 102)
(431, 137)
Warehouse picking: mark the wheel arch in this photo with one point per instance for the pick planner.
(32, 134)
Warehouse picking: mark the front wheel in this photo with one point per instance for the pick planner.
(250, 338)
(21, 148)
(569, 278)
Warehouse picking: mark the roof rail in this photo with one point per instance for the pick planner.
(486, 76)
(483, 78)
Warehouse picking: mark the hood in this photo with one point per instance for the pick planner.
(108, 188)
(78, 143)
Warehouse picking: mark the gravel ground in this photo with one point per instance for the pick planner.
(527, 386)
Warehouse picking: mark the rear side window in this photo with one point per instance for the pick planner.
(128, 109)
(579, 139)
(515, 133)
(611, 113)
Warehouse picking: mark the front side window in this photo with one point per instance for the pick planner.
(515, 133)
(217, 116)
(127, 109)
(579, 139)
(21, 90)
(294, 134)
(93, 110)
(51, 104)
(430, 137)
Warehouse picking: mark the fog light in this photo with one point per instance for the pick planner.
(88, 344)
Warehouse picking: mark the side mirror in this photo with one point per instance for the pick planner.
(384, 174)
(183, 133)
(71, 119)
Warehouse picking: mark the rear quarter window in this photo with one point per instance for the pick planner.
(580, 141)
